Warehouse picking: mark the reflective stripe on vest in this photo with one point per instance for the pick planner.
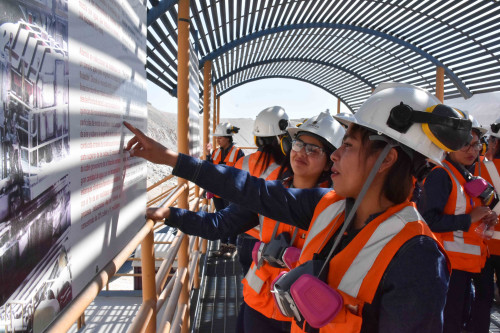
(261, 222)
(253, 280)
(215, 155)
(323, 220)
(232, 155)
(491, 175)
(461, 198)
(246, 166)
(270, 169)
(495, 179)
(458, 244)
(353, 277)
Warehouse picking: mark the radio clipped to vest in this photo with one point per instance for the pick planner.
(278, 252)
(300, 294)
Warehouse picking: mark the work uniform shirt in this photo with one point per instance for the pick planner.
(412, 292)
(225, 152)
(446, 209)
(494, 242)
(436, 192)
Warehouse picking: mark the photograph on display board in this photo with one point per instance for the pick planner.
(35, 275)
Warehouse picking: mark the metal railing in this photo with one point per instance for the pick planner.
(163, 304)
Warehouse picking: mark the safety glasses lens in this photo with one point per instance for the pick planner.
(311, 150)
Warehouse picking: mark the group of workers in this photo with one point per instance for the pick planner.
(337, 238)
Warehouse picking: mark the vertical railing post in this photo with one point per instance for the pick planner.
(182, 135)
(218, 109)
(207, 79)
(338, 105)
(148, 277)
(440, 83)
(196, 279)
(214, 122)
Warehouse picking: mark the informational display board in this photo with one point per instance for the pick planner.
(70, 73)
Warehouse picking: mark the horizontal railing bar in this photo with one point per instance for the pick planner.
(74, 310)
(165, 293)
(159, 183)
(142, 318)
(168, 313)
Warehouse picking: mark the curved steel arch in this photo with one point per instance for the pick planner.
(319, 62)
(286, 77)
(464, 91)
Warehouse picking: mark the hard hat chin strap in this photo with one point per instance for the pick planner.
(361, 195)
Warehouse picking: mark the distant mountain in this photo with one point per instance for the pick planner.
(162, 126)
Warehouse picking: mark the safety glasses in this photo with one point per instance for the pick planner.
(311, 150)
(474, 145)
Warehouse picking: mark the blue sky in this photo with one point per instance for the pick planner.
(299, 99)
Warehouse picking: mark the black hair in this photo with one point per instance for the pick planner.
(397, 187)
(270, 148)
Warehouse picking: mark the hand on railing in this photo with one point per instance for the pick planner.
(143, 146)
(158, 213)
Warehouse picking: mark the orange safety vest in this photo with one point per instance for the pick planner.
(229, 160)
(230, 157)
(367, 255)
(270, 172)
(257, 282)
(493, 178)
(466, 250)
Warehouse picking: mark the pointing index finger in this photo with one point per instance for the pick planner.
(133, 129)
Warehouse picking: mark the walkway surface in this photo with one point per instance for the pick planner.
(218, 300)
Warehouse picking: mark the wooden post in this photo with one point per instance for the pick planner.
(440, 83)
(218, 109)
(148, 277)
(182, 132)
(214, 122)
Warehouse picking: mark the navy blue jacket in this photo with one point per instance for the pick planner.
(435, 195)
(412, 292)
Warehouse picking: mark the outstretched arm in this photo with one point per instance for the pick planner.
(228, 222)
(271, 199)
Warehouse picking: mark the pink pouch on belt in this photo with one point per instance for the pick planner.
(257, 253)
(317, 302)
(291, 256)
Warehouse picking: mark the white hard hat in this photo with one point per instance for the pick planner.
(223, 129)
(495, 129)
(324, 126)
(477, 126)
(393, 110)
(270, 122)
